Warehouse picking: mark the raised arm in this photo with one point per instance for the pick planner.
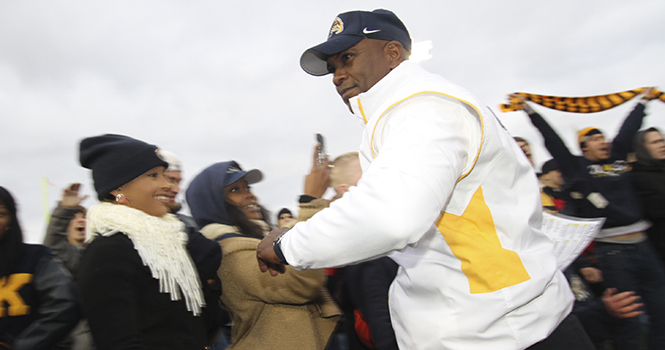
(623, 141)
(56, 233)
(553, 142)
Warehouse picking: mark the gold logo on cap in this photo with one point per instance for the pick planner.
(337, 27)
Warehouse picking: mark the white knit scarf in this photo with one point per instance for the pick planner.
(161, 244)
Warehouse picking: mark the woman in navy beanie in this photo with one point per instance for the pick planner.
(139, 285)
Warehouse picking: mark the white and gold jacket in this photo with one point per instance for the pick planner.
(447, 192)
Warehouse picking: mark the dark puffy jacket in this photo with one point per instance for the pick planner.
(39, 307)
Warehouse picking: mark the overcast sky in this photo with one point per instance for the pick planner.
(220, 80)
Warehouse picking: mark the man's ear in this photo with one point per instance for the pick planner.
(394, 52)
(341, 189)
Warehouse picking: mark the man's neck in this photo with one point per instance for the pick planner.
(588, 156)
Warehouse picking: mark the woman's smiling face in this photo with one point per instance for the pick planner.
(239, 194)
(151, 192)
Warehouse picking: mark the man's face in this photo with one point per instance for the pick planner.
(76, 229)
(526, 149)
(655, 144)
(5, 220)
(553, 179)
(174, 177)
(284, 219)
(356, 69)
(596, 148)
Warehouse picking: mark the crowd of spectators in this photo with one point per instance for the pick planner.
(626, 255)
(133, 272)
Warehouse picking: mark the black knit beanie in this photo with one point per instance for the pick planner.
(116, 160)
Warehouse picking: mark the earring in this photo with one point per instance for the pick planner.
(120, 198)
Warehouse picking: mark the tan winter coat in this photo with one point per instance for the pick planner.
(290, 311)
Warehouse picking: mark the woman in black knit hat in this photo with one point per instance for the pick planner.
(139, 285)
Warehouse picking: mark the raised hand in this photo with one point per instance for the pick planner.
(70, 197)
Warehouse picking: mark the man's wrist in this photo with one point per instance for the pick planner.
(277, 247)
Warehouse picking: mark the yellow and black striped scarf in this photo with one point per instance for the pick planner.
(588, 104)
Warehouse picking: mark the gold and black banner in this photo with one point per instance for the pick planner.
(589, 104)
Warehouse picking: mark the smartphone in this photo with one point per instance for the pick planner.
(321, 153)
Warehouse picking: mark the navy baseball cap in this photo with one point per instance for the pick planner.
(347, 30)
(235, 173)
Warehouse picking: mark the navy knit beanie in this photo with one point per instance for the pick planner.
(116, 160)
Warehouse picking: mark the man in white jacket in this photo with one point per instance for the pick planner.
(445, 191)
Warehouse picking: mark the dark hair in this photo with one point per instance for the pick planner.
(520, 139)
(81, 209)
(284, 211)
(11, 245)
(238, 218)
(639, 147)
(266, 216)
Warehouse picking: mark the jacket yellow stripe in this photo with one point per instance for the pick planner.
(480, 117)
(473, 239)
(362, 111)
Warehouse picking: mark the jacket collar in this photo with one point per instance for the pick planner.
(367, 103)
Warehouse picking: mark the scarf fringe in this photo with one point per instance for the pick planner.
(161, 244)
(589, 104)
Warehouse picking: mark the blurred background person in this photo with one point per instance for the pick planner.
(65, 235)
(648, 177)
(600, 185)
(173, 173)
(552, 193)
(284, 217)
(38, 307)
(360, 290)
(526, 148)
(213, 314)
(345, 173)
